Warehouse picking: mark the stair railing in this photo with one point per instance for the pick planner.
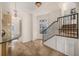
(15, 38)
(66, 26)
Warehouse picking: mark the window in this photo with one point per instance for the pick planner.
(43, 25)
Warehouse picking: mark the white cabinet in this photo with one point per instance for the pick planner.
(61, 44)
(70, 46)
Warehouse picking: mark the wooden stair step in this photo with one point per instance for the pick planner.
(69, 26)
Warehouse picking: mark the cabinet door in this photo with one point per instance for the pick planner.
(61, 44)
(70, 46)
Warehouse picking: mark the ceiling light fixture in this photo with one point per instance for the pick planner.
(38, 4)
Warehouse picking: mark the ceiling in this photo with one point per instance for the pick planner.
(25, 5)
(46, 6)
(31, 6)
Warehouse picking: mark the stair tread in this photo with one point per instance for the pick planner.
(69, 26)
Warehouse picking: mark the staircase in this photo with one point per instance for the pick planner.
(65, 26)
(69, 30)
(62, 34)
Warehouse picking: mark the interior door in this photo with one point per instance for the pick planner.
(6, 32)
(11, 27)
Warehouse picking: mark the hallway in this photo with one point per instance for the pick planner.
(24, 24)
(33, 48)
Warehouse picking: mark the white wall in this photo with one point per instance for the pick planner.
(26, 17)
(26, 27)
(51, 17)
(35, 27)
(67, 6)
